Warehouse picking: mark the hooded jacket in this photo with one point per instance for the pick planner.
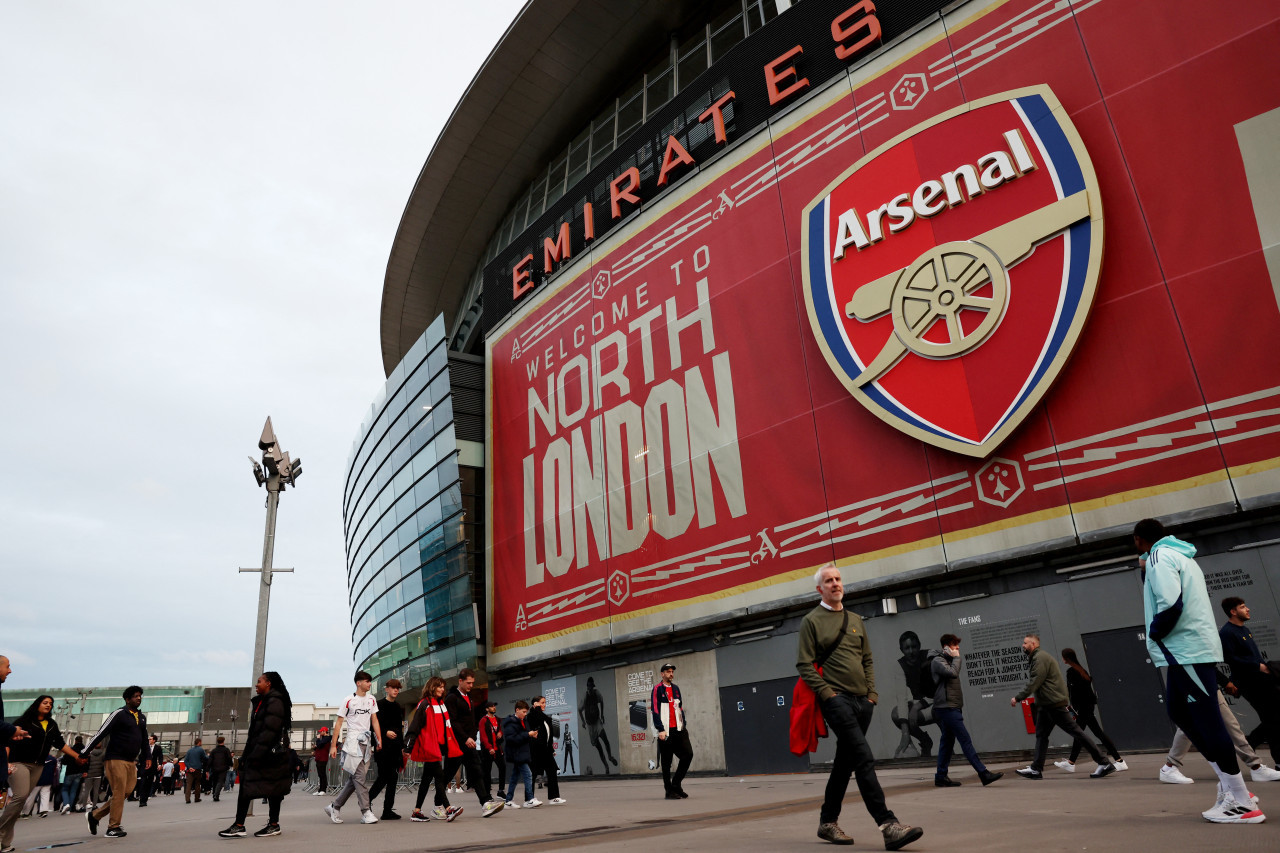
(515, 739)
(264, 761)
(946, 674)
(1180, 623)
(1047, 683)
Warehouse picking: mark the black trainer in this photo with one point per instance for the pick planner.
(269, 829)
(234, 831)
(93, 823)
(116, 832)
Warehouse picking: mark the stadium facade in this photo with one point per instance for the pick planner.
(692, 298)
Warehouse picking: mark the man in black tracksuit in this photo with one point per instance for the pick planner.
(543, 749)
(391, 718)
(127, 729)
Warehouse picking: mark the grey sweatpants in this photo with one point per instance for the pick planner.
(1182, 743)
(357, 782)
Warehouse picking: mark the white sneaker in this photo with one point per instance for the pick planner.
(511, 804)
(317, 793)
(1065, 765)
(368, 817)
(1263, 773)
(1120, 764)
(532, 804)
(493, 807)
(1227, 810)
(1174, 776)
(557, 801)
(334, 814)
(439, 813)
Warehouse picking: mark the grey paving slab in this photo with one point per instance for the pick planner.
(1130, 812)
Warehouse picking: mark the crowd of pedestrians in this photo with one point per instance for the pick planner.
(459, 744)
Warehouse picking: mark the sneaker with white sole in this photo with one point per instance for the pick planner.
(439, 813)
(268, 831)
(1174, 776)
(419, 817)
(532, 804)
(452, 812)
(1227, 810)
(1102, 770)
(1029, 773)
(557, 801)
(1065, 765)
(234, 831)
(1263, 773)
(334, 814)
(899, 835)
(493, 807)
(368, 816)
(1119, 764)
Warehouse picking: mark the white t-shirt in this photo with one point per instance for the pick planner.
(358, 713)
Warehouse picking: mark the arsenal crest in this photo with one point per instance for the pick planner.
(948, 273)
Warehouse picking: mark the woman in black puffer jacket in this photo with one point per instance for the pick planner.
(264, 761)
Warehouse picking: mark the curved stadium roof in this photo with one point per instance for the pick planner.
(552, 68)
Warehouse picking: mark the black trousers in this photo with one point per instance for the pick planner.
(219, 780)
(322, 775)
(1192, 695)
(675, 744)
(388, 761)
(469, 761)
(544, 761)
(848, 717)
(1089, 721)
(1046, 720)
(1263, 694)
(433, 771)
(242, 807)
(487, 761)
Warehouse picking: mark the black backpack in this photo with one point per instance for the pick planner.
(928, 683)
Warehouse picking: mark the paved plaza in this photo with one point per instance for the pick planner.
(1130, 812)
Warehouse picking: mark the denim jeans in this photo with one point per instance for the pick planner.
(519, 772)
(71, 789)
(848, 717)
(951, 721)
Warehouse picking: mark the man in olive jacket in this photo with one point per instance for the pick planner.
(834, 660)
(1049, 688)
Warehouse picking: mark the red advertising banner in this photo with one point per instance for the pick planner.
(885, 332)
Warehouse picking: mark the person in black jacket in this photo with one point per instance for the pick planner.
(264, 762)
(27, 759)
(465, 719)
(1085, 703)
(219, 763)
(127, 729)
(543, 749)
(388, 758)
(1251, 673)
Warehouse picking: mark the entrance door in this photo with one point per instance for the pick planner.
(1131, 704)
(756, 720)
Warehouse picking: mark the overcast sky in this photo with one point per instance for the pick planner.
(197, 202)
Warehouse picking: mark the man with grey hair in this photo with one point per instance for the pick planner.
(834, 660)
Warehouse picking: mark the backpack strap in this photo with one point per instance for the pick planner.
(826, 653)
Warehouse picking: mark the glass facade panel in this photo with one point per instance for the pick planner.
(402, 514)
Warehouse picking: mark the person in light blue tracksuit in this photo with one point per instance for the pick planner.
(1182, 634)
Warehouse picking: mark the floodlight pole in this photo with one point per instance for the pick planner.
(280, 471)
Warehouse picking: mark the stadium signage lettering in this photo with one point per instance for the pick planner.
(853, 32)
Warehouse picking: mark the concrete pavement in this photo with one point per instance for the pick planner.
(1131, 812)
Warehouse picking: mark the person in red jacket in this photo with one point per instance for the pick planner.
(491, 746)
(430, 740)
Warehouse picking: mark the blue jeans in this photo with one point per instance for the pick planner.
(848, 717)
(520, 771)
(71, 789)
(951, 721)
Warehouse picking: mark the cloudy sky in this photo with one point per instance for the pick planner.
(197, 203)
